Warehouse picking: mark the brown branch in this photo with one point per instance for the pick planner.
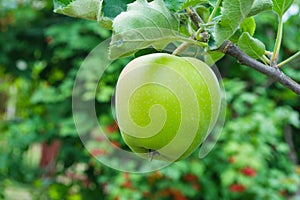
(196, 19)
(230, 49)
(273, 72)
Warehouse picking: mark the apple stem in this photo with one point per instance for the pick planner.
(181, 48)
(151, 154)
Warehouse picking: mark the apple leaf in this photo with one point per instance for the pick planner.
(142, 25)
(248, 25)
(87, 9)
(193, 3)
(174, 5)
(61, 2)
(213, 2)
(112, 8)
(281, 6)
(260, 6)
(130, 42)
(104, 11)
(109, 9)
(251, 46)
(233, 13)
(212, 57)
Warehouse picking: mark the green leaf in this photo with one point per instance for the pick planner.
(112, 8)
(109, 9)
(104, 11)
(248, 25)
(212, 57)
(174, 5)
(87, 9)
(141, 14)
(61, 2)
(193, 3)
(281, 6)
(213, 2)
(142, 25)
(203, 12)
(131, 41)
(251, 46)
(260, 6)
(233, 13)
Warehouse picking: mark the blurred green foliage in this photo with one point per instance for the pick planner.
(41, 155)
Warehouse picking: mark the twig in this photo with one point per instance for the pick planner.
(181, 48)
(273, 72)
(265, 60)
(196, 19)
(289, 60)
(214, 11)
(277, 43)
(185, 45)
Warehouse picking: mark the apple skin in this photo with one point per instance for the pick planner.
(167, 105)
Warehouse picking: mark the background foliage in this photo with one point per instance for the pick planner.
(41, 156)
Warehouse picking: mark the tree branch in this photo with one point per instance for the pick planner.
(231, 49)
(273, 72)
(196, 19)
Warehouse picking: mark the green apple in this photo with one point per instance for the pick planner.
(166, 105)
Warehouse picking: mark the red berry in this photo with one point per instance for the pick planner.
(237, 188)
(190, 178)
(178, 195)
(248, 171)
(115, 144)
(98, 152)
(127, 183)
(112, 128)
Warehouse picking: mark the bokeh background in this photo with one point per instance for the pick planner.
(42, 157)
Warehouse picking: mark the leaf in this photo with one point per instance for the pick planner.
(248, 25)
(260, 6)
(109, 9)
(141, 14)
(281, 6)
(203, 12)
(142, 25)
(251, 46)
(233, 13)
(102, 20)
(104, 11)
(174, 5)
(213, 2)
(130, 42)
(193, 3)
(112, 8)
(61, 2)
(87, 9)
(212, 57)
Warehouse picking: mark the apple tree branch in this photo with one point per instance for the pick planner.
(231, 49)
(273, 72)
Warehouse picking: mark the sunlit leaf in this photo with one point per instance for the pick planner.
(233, 14)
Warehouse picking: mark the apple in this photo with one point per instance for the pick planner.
(166, 105)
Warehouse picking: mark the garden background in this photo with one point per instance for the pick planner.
(42, 157)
